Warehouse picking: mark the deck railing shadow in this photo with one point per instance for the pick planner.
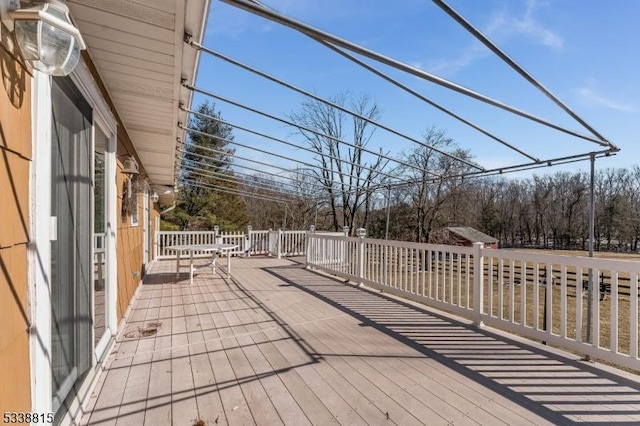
(548, 384)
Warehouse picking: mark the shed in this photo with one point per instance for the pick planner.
(465, 236)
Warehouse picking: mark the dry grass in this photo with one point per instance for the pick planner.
(456, 287)
(584, 253)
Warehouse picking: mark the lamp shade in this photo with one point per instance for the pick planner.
(130, 167)
(47, 37)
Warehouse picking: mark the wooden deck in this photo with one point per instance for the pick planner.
(278, 344)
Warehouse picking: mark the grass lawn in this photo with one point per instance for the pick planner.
(456, 287)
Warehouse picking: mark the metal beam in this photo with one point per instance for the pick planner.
(330, 103)
(337, 41)
(282, 141)
(520, 70)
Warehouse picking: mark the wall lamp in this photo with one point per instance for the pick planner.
(154, 197)
(130, 167)
(45, 35)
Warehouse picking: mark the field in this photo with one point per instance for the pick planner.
(509, 292)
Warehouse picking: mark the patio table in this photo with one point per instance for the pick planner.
(214, 249)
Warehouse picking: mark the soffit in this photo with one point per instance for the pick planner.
(137, 47)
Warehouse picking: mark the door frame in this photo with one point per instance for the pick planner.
(43, 229)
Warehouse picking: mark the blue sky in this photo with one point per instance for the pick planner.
(584, 51)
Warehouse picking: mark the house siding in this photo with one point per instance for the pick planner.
(16, 139)
(130, 246)
(15, 172)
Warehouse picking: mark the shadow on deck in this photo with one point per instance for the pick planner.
(278, 344)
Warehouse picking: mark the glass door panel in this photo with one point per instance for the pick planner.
(100, 269)
(71, 265)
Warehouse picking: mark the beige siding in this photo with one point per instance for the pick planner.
(130, 243)
(15, 160)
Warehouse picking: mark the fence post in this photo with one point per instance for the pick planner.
(156, 243)
(308, 257)
(478, 284)
(279, 244)
(216, 234)
(361, 233)
(247, 241)
(343, 249)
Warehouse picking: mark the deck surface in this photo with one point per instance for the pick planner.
(278, 344)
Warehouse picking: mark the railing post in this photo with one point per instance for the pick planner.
(156, 244)
(478, 284)
(279, 243)
(216, 234)
(344, 248)
(247, 241)
(308, 256)
(361, 233)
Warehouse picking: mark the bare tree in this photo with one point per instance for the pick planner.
(346, 172)
(429, 197)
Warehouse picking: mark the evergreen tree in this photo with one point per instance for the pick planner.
(206, 163)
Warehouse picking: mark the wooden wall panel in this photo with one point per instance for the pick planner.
(15, 160)
(130, 244)
(14, 335)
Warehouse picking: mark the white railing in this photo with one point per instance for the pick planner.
(172, 238)
(275, 243)
(287, 243)
(258, 242)
(98, 240)
(236, 238)
(540, 296)
(175, 238)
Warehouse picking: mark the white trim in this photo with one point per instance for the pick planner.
(146, 216)
(101, 346)
(111, 233)
(110, 304)
(104, 118)
(40, 250)
(40, 247)
(82, 78)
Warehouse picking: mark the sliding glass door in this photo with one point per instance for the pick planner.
(71, 240)
(100, 221)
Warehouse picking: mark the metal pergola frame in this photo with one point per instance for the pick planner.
(349, 50)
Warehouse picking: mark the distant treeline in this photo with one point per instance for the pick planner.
(549, 211)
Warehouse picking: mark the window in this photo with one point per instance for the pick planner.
(134, 211)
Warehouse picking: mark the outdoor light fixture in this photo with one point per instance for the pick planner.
(154, 197)
(130, 167)
(45, 34)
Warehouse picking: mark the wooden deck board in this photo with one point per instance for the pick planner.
(386, 394)
(287, 407)
(208, 400)
(282, 345)
(256, 397)
(233, 402)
